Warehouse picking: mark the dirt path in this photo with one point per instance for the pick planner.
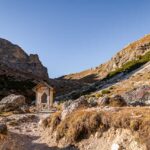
(25, 133)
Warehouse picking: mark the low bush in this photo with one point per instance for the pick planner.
(98, 95)
(82, 123)
(52, 121)
(79, 126)
(117, 101)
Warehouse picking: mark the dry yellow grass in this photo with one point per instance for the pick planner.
(82, 123)
(53, 121)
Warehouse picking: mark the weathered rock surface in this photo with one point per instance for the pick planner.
(71, 106)
(12, 102)
(77, 81)
(14, 57)
(103, 101)
(138, 96)
(115, 100)
(19, 72)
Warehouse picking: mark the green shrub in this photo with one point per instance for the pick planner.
(97, 95)
(111, 88)
(130, 65)
(105, 91)
(134, 125)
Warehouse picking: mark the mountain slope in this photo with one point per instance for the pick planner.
(134, 86)
(132, 52)
(123, 64)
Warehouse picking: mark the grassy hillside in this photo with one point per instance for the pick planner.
(131, 65)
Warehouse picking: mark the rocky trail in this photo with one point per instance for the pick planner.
(24, 133)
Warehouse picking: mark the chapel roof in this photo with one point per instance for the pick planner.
(42, 83)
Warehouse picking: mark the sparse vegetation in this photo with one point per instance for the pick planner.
(53, 121)
(131, 65)
(117, 103)
(105, 91)
(82, 123)
(97, 95)
(79, 125)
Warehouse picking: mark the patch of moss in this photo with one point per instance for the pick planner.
(98, 95)
(105, 92)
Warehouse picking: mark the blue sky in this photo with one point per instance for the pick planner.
(73, 35)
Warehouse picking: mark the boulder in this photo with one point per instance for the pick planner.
(118, 101)
(103, 101)
(12, 102)
(114, 101)
(71, 106)
(92, 101)
(139, 94)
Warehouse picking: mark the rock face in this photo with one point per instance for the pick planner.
(14, 57)
(19, 72)
(11, 102)
(103, 101)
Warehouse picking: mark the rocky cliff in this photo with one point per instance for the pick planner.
(14, 57)
(19, 72)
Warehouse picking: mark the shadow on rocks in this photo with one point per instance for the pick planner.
(26, 142)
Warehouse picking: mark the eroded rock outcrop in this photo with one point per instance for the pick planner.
(138, 96)
(11, 102)
(19, 72)
(70, 106)
(14, 57)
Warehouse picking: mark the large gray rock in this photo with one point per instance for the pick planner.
(103, 101)
(12, 102)
(71, 106)
(138, 95)
(92, 101)
(114, 101)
